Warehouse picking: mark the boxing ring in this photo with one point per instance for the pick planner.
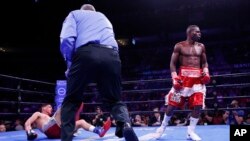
(174, 133)
(21, 90)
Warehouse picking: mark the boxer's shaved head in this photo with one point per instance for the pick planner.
(88, 7)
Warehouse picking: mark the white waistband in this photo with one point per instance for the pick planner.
(190, 73)
(49, 124)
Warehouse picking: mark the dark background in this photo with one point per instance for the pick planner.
(29, 31)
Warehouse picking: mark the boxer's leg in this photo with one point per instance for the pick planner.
(196, 102)
(172, 100)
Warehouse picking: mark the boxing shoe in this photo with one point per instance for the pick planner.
(159, 132)
(119, 129)
(129, 133)
(192, 135)
(125, 130)
(77, 133)
(105, 128)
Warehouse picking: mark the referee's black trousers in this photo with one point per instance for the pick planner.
(93, 63)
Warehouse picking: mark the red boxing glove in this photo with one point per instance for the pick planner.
(177, 82)
(205, 78)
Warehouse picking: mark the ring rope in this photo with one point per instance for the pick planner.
(127, 102)
(230, 85)
(128, 91)
(232, 74)
(25, 103)
(124, 91)
(23, 91)
(164, 80)
(144, 112)
(125, 82)
(166, 89)
(25, 79)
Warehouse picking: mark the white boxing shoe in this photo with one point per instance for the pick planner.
(77, 133)
(159, 132)
(192, 135)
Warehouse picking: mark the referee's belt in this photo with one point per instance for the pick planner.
(101, 45)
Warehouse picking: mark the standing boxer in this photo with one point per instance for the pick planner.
(190, 82)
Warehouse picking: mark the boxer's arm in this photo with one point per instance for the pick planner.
(205, 73)
(204, 58)
(31, 134)
(174, 58)
(31, 120)
(177, 82)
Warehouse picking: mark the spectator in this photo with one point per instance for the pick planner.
(216, 118)
(156, 119)
(18, 125)
(2, 127)
(100, 118)
(247, 120)
(138, 121)
(236, 116)
(176, 120)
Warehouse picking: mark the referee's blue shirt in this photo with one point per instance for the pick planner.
(83, 26)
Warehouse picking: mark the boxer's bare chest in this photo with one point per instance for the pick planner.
(191, 50)
(190, 55)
